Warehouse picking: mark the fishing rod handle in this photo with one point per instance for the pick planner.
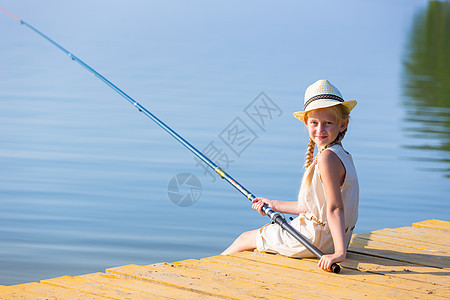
(277, 218)
(269, 212)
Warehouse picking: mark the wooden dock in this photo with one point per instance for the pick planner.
(405, 263)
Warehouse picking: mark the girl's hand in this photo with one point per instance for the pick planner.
(327, 260)
(259, 202)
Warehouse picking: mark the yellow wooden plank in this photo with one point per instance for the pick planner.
(148, 287)
(365, 264)
(18, 293)
(422, 245)
(286, 282)
(49, 292)
(431, 236)
(430, 277)
(434, 224)
(348, 274)
(351, 284)
(97, 288)
(397, 252)
(399, 244)
(211, 283)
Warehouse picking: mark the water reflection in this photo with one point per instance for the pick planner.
(426, 83)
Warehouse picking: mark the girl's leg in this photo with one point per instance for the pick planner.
(246, 241)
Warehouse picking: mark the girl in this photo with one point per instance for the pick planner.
(327, 205)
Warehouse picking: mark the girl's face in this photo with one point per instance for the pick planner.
(324, 126)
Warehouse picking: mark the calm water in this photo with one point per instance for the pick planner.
(84, 177)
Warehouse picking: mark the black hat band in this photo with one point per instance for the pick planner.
(323, 96)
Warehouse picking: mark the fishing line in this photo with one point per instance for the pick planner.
(274, 216)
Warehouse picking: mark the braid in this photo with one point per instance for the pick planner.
(310, 153)
(309, 170)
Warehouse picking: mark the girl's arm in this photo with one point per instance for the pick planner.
(332, 175)
(287, 207)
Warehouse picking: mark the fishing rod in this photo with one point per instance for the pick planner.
(274, 216)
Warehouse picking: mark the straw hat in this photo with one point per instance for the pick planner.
(322, 94)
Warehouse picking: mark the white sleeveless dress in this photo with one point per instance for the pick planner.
(313, 225)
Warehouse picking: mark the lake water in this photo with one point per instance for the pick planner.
(84, 176)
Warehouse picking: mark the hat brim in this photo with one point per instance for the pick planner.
(323, 103)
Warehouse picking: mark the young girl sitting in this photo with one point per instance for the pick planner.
(327, 205)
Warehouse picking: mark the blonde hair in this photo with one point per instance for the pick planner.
(342, 113)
